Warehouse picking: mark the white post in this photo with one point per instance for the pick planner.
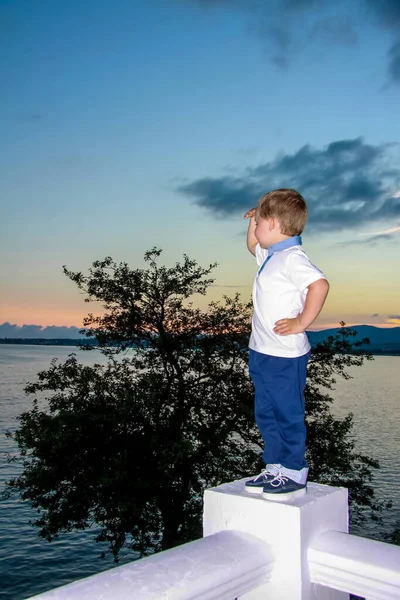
(289, 527)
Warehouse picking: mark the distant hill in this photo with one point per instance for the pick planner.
(382, 341)
(39, 332)
(48, 341)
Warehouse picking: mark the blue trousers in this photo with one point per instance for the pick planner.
(279, 407)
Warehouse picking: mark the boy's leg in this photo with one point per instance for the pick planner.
(290, 379)
(261, 373)
(291, 411)
(265, 420)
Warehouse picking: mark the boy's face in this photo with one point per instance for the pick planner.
(265, 230)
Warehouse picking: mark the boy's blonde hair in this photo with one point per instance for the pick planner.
(288, 207)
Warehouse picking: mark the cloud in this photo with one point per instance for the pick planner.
(387, 16)
(385, 233)
(393, 319)
(287, 27)
(29, 117)
(228, 286)
(387, 12)
(8, 330)
(372, 241)
(333, 30)
(375, 315)
(347, 185)
(394, 62)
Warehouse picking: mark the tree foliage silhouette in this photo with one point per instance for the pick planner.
(130, 443)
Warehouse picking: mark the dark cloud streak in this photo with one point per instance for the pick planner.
(288, 26)
(387, 12)
(373, 240)
(394, 62)
(347, 185)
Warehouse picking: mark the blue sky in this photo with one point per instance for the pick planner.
(127, 125)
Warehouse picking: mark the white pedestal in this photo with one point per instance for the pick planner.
(289, 528)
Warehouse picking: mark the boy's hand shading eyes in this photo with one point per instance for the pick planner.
(250, 213)
(288, 326)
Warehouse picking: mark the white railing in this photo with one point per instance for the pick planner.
(354, 564)
(218, 567)
(253, 549)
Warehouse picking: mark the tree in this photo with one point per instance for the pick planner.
(130, 445)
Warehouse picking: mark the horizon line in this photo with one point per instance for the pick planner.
(321, 328)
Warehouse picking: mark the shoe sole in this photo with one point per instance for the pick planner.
(254, 489)
(282, 497)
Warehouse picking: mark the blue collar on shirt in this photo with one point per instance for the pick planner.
(295, 240)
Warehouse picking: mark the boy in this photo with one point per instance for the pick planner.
(288, 295)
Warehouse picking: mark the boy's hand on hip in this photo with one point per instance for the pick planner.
(288, 326)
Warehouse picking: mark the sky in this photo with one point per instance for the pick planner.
(127, 125)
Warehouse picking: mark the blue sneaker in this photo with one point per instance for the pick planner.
(256, 485)
(281, 488)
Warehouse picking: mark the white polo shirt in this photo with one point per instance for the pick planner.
(279, 292)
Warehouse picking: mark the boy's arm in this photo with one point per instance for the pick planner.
(316, 295)
(251, 238)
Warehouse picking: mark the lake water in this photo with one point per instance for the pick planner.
(30, 565)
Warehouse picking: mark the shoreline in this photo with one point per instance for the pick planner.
(74, 343)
